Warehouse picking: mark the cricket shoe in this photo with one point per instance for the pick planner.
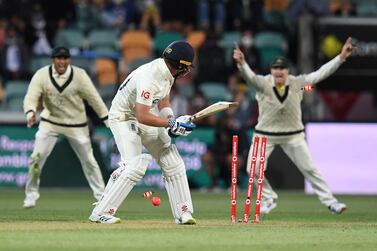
(104, 218)
(267, 206)
(187, 219)
(31, 200)
(337, 208)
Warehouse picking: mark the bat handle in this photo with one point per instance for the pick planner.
(191, 119)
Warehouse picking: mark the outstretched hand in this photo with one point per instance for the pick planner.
(347, 49)
(238, 55)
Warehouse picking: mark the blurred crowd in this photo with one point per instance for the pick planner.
(30, 28)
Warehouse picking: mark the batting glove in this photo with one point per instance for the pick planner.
(184, 118)
(179, 128)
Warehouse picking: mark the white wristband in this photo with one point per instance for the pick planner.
(166, 112)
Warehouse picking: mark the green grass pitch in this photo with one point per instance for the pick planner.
(300, 222)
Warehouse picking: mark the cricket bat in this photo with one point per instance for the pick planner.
(212, 109)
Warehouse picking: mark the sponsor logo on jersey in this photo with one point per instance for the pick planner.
(184, 208)
(145, 94)
(111, 211)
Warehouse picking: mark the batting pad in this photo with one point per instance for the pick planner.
(176, 183)
(113, 177)
(132, 173)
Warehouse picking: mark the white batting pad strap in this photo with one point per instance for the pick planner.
(133, 172)
(176, 183)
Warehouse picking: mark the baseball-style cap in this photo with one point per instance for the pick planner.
(279, 62)
(180, 52)
(60, 51)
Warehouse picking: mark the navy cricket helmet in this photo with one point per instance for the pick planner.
(280, 62)
(179, 54)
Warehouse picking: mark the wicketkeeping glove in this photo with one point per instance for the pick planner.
(180, 127)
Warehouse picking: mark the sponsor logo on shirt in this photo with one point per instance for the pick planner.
(184, 208)
(145, 94)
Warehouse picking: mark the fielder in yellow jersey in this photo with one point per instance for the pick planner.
(63, 88)
(279, 98)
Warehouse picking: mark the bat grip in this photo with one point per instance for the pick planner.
(191, 119)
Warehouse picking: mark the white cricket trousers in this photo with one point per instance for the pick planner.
(130, 137)
(44, 143)
(299, 154)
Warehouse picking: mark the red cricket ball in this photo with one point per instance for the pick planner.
(156, 201)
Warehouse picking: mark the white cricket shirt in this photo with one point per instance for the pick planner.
(146, 85)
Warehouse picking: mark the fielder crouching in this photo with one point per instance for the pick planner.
(63, 88)
(139, 115)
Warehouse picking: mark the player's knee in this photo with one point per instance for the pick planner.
(117, 172)
(171, 162)
(89, 163)
(135, 169)
(34, 166)
(35, 158)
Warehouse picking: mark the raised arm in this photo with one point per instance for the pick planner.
(239, 57)
(245, 70)
(330, 67)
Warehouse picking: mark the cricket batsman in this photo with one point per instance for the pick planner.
(139, 115)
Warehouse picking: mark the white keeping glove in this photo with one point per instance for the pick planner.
(177, 127)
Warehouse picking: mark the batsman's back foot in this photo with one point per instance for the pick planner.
(337, 208)
(187, 219)
(104, 218)
(267, 206)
